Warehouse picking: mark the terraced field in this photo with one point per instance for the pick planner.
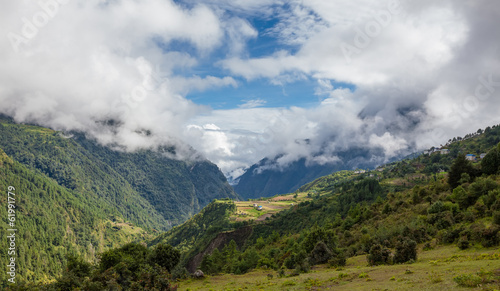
(247, 210)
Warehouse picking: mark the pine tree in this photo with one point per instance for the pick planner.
(460, 166)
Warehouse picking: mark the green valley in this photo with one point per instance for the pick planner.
(76, 197)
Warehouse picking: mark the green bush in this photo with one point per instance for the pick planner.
(378, 255)
(463, 243)
(320, 254)
(165, 256)
(406, 250)
(468, 280)
(437, 207)
(496, 217)
(490, 236)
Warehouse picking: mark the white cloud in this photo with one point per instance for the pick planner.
(253, 104)
(95, 61)
(416, 77)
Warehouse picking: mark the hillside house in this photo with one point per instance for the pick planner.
(470, 157)
(445, 151)
(482, 156)
(259, 208)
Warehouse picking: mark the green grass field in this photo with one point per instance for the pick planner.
(478, 269)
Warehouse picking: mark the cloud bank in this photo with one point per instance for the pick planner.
(415, 72)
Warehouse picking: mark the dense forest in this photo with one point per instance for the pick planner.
(76, 197)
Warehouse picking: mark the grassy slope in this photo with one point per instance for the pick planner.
(434, 270)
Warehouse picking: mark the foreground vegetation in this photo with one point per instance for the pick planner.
(443, 268)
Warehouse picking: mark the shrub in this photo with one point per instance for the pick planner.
(435, 278)
(428, 246)
(289, 283)
(496, 217)
(406, 250)
(304, 267)
(490, 236)
(166, 256)
(338, 259)
(437, 207)
(363, 275)
(468, 280)
(320, 254)
(378, 255)
(463, 243)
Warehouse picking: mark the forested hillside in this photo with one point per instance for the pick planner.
(53, 221)
(388, 216)
(435, 199)
(166, 191)
(77, 197)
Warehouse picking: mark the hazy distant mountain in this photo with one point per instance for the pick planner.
(266, 178)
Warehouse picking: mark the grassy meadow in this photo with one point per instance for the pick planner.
(442, 268)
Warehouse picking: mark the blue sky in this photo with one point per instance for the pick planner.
(243, 80)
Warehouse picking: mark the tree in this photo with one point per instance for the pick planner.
(378, 255)
(406, 250)
(165, 256)
(320, 254)
(491, 162)
(460, 165)
(78, 266)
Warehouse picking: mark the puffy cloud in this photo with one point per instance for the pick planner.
(422, 72)
(106, 68)
(416, 73)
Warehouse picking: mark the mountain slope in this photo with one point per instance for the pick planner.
(267, 178)
(54, 221)
(146, 187)
(176, 189)
(77, 197)
(383, 213)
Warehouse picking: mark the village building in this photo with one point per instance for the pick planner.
(470, 157)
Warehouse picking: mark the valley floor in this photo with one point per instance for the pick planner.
(434, 270)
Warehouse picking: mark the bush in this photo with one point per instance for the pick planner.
(406, 250)
(496, 217)
(490, 236)
(165, 256)
(463, 243)
(338, 259)
(320, 254)
(437, 207)
(468, 280)
(378, 255)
